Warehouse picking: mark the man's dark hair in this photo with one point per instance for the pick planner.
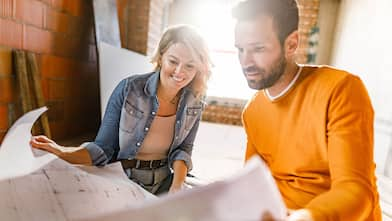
(284, 14)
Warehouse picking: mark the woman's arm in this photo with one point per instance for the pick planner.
(99, 152)
(180, 171)
(74, 155)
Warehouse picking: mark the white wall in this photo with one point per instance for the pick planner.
(363, 46)
(116, 64)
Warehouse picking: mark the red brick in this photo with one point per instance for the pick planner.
(56, 21)
(56, 89)
(10, 33)
(7, 89)
(37, 40)
(76, 26)
(30, 12)
(5, 61)
(6, 8)
(55, 110)
(63, 45)
(2, 135)
(59, 4)
(45, 88)
(58, 129)
(55, 66)
(74, 7)
(3, 117)
(48, 2)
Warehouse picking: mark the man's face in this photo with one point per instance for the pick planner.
(260, 53)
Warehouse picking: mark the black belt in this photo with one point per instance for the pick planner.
(143, 164)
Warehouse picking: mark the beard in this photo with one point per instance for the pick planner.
(268, 79)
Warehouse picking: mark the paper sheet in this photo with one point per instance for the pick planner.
(247, 196)
(67, 192)
(16, 156)
(61, 191)
(114, 172)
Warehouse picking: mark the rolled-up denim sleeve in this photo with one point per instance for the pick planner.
(106, 144)
(97, 155)
(184, 152)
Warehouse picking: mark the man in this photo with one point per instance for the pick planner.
(313, 125)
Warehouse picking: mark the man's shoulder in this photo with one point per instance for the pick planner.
(327, 76)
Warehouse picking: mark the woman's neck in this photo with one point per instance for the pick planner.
(166, 95)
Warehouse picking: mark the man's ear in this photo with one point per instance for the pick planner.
(291, 44)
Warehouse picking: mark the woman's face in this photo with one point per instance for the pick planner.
(178, 67)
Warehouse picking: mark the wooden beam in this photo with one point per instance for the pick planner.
(37, 89)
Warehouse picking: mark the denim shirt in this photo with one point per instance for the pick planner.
(131, 109)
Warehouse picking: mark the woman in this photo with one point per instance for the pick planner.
(151, 120)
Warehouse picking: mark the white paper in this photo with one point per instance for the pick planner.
(247, 196)
(16, 156)
(115, 173)
(61, 191)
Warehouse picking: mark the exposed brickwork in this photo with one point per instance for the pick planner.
(309, 10)
(60, 32)
(141, 24)
(225, 114)
(134, 18)
(156, 24)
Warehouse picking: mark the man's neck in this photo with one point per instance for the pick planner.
(289, 73)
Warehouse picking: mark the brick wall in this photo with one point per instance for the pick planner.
(141, 23)
(61, 33)
(308, 12)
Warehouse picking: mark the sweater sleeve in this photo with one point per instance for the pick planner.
(250, 148)
(350, 154)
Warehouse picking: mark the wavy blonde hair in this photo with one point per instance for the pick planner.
(188, 36)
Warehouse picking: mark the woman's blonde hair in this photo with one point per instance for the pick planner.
(188, 36)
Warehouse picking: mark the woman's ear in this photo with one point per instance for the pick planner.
(291, 44)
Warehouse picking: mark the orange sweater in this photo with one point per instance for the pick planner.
(317, 140)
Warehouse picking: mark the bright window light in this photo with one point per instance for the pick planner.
(217, 25)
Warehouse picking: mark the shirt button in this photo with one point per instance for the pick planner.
(194, 112)
(176, 137)
(178, 122)
(153, 113)
(138, 144)
(146, 129)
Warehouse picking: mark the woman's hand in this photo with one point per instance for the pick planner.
(175, 188)
(180, 171)
(74, 155)
(44, 143)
